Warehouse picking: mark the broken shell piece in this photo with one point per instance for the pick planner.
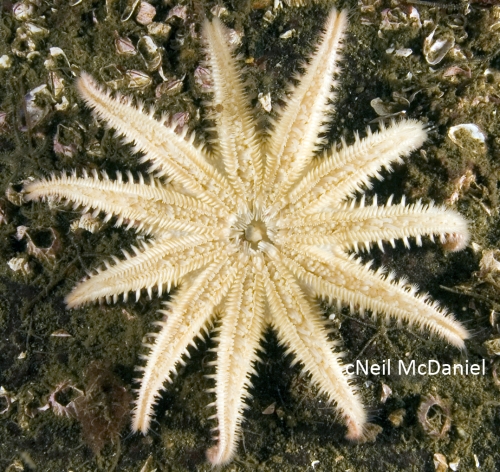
(9, 398)
(470, 128)
(386, 393)
(56, 84)
(403, 52)
(381, 109)
(219, 11)
(436, 49)
(287, 34)
(17, 198)
(489, 264)
(233, 37)
(86, 222)
(124, 46)
(161, 30)
(178, 12)
(461, 185)
(67, 141)
(492, 347)
(112, 76)
(4, 124)
(145, 14)
(440, 462)
(129, 9)
(434, 416)
(270, 409)
(396, 417)
(150, 52)
(57, 60)
(396, 18)
(265, 101)
(5, 62)
(61, 333)
(23, 11)
(20, 264)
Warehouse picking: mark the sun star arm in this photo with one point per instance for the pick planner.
(342, 173)
(238, 337)
(171, 153)
(162, 264)
(350, 227)
(338, 276)
(190, 312)
(237, 142)
(301, 329)
(150, 207)
(295, 137)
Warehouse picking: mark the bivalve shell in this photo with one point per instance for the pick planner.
(435, 49)
(470, 128)
(150, 52)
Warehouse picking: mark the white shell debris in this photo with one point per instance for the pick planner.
(404, 52)
(265, 101)
(386, 393)
(86, 222)
(5, 62)
(473, 130)
(150, 52)
(440, 462)
(19, 264)
(23, 11)
(161, 30)
(435, 49)
(287, 34)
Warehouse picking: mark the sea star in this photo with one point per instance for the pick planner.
(254, 231)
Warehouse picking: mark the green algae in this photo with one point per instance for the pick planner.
(288, 426)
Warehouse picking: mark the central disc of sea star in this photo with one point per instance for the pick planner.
(251, 228)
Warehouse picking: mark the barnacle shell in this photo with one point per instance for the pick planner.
(438, 424)
(43, 252)
(124, 46)
(136, 79)
(169, 87)
(202, 79)
(145, 14)
(493, 347)
(66, 409)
